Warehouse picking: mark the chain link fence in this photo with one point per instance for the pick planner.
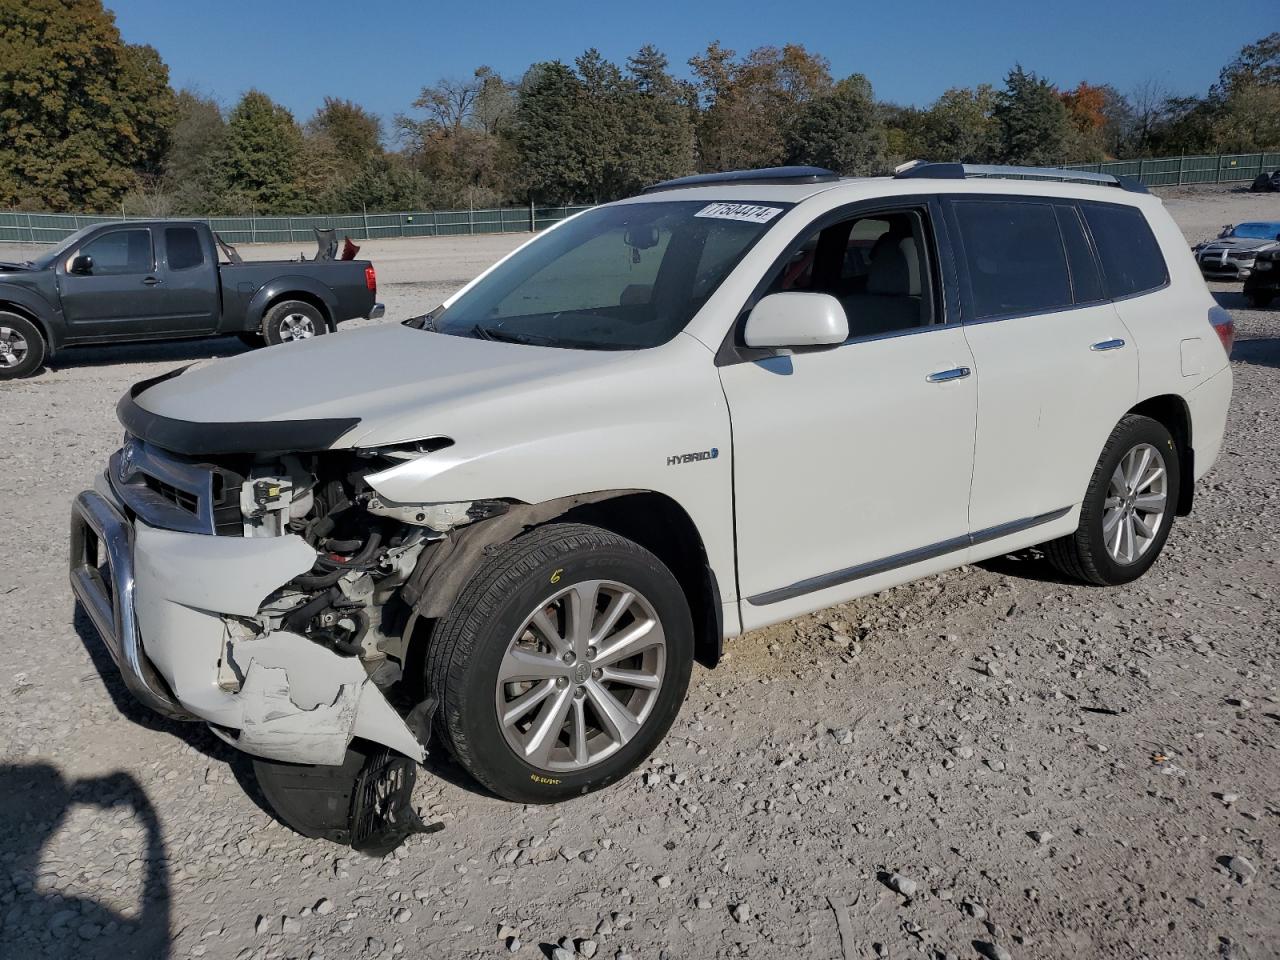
(19, 227)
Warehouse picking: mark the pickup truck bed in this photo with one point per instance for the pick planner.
(156, 280)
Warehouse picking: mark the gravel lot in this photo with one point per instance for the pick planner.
(991, 762)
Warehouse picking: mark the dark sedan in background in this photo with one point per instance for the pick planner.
(1231, 255)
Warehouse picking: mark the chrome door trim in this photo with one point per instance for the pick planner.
(919, 555)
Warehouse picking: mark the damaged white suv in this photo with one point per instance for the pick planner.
(509, 527)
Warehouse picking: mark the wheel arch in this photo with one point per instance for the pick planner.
(291, 288)
(11, 306)
(653, 520)
(1172, 412)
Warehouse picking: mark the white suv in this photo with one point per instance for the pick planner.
(510, 526)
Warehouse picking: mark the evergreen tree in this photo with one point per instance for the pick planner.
(1031, 119)
(261, 161)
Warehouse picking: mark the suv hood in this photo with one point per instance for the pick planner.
(376, 385)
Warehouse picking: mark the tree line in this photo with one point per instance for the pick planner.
(89, 122)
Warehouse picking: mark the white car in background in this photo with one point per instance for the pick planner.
(508, 528)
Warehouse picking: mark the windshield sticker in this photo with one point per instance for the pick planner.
(739, 211)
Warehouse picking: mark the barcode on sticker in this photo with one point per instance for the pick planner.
(739, 211)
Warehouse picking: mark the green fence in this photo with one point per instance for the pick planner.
(1178, 171)
(19, 227)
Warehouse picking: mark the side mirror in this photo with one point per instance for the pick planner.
(796, 320)
(82, 266)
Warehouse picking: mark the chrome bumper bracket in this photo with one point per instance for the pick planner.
(98, 527)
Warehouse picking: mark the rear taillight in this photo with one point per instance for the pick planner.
(1224, 326)
(371, 279)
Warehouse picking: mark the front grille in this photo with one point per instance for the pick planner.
(180, 498)
(177, 493)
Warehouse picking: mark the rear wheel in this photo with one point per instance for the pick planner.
(1129, 507)
(292, 320)
(562, 665)
(1261, 299)
(22, 347)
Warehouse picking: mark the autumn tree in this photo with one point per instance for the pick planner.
(82, 113)
(748, 105)
(192, 178)
(961, 126)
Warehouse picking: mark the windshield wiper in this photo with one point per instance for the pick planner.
(481, 332)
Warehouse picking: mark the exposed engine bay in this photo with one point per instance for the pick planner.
(367, 548)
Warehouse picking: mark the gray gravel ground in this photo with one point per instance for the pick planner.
(990, 762)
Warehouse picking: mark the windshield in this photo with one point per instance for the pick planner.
(50, 257)
(1256, 231)
(622, 277)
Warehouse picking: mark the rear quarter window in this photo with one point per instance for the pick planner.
(1131, 259)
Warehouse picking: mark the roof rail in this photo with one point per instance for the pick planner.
(962, 171)
(780, 175)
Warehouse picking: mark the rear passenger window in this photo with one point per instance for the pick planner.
(1131, 258)
(1086, 284)
(1014, 257)
(182, 245)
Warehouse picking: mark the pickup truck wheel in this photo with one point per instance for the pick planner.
(1260, 299)
(562, 665)
(22, 347)
(1128, 510)
(292, 320)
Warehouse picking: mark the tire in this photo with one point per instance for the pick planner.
(1260, 299)
(542, 572)
(291, 320)
(22, 347)
(1261, 183)
(1099, 552)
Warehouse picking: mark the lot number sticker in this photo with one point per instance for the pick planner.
(739, 211)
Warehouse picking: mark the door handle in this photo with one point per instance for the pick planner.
(943, 376)
(1107, 345)
(151, 281)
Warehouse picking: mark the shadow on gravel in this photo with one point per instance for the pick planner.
(34, 801)
(175, 351)
(1028, 564)
(1258, 352)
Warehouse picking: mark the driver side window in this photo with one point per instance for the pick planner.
(877, 266)
(120, 252)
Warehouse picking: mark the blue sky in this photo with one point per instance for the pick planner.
(381, 52)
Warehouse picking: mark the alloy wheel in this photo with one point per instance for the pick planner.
(297, 326)
(581, 675)
(1137, 499)
(13, 347)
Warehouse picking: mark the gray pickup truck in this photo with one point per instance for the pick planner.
(163, 280)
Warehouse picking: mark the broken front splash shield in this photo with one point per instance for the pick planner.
(281, 696)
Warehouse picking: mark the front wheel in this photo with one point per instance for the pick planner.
(22, 347)
(562, 665)
(1128, 509)
(292, 320)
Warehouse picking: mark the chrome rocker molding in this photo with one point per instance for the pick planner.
(96, 523)
(919, 555)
